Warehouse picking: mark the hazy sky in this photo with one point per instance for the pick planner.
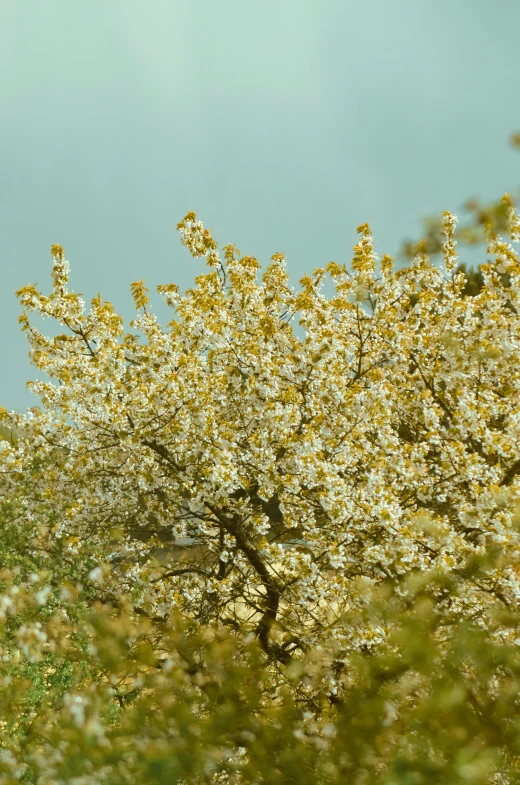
(283, 123)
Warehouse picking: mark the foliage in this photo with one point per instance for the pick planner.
(433, 703)
(252, 557)
(492, 217)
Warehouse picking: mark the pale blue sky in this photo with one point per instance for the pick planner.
(283, 123)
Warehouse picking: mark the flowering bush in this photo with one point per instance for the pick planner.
(94, 697)
(313, 504)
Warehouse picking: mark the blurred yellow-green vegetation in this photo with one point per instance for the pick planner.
(106, 700)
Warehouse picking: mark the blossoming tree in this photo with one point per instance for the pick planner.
(229, 471)
(284, 473)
